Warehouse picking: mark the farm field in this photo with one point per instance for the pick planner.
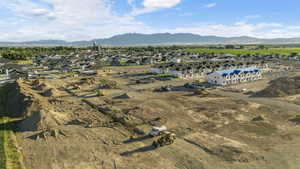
(284, 51)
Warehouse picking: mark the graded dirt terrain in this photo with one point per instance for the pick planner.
(103, 123)
(281, 87)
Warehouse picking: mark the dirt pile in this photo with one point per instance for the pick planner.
(47, 93)
(118, 116)
(13, 102)
(46, 133)
(281, 87)
(41, 109)
(123, 96)
(234, 154)
(108, 84)
(88, 81)
(222, 147)
(40, 87)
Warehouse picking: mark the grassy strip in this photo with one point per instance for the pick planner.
(11, 158)
(24, 62)
(2, 151)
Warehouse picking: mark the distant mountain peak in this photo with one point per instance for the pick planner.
(139, 39)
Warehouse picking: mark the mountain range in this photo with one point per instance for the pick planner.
(136, 39)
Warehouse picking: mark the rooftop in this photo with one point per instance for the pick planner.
(238, 71)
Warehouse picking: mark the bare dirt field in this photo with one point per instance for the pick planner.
(103, 123)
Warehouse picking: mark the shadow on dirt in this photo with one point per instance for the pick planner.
(132, 140)
(9, 125)
(139, 150)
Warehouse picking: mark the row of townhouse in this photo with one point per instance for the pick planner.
(201, 69)
(234, 76)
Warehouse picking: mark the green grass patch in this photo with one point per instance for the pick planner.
(11, 158)
(163, 75)
(2, 151)
(284, 51)
(176, 79)
(295, 119)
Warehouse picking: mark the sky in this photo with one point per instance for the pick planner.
(73, 20)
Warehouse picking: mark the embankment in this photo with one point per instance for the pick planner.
(10, 113)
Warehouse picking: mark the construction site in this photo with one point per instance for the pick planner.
(114, 121)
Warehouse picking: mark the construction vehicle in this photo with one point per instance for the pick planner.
(100, 93)
(157, 131)
(201, 92)
(167, 138)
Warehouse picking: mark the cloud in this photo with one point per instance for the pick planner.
(210, 5)
(66, 20)
(260, 30)
(130, 1)
(40, 12)
(187, 14)
(83, 20)
(253, 16)
(154, 5)
(160, 3)
(24, 8)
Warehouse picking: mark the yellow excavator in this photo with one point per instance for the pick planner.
(166, 138)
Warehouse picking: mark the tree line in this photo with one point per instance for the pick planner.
(18, 53)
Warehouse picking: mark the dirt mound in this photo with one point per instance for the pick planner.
(88, 81)
(35, 83)
(47, 93)
(108, 84)
(13, 103)
(39, 119)
(233, 154)
(222, 147)
(40, 87)
(281, 87)
(46, 133)
(123, 96)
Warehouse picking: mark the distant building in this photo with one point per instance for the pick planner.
(175, 60)
(97, 47)
(234, 76)
(199, 70)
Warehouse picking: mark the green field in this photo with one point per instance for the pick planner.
(285, 51)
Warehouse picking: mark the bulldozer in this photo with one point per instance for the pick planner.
(167, 138)
(201, 92)
(100, 93)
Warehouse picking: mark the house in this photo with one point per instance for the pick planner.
(198, 70)
(234, 76)
(175, 60)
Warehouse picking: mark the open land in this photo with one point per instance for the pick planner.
(102, 121)
(213, 132)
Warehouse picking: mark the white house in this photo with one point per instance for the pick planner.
(175, 60)
(155, 70)
(234, 76)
